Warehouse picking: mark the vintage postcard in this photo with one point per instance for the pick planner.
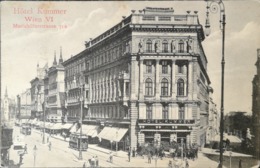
(130, 84)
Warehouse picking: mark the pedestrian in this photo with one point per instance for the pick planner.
(47, 139)
(111, 157)
(133, 152)
(93, 160)
(129, 155)
(170, 164)
(97, 161)
(84, 165)
(25, 149)
(240, 163)
(21, 159)
(186, 163)
(49, 146)
(155, 160)
(149, 157)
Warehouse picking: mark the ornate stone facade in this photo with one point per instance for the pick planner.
(149, 74)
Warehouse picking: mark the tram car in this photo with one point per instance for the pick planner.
(25, 129)
(74, 142)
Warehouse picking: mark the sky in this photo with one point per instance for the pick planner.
(23, 48)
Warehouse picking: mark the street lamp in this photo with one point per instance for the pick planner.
(44, 111)
(213, 6)
(81, 111)
(34, 154)
(230, 156)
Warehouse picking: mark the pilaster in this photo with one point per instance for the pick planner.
(173, 80)
(190, 83)
(157, 89)
(141, 85)
(133, 117)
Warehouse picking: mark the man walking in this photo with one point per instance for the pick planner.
(21, 159)
(25, 149)
(97, 161)
(149, 157)
(50, 146)
(111, 157)
(129, 155)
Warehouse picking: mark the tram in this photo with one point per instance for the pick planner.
(25, 129)
(75, 143)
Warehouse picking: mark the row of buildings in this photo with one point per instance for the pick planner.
(146, 76)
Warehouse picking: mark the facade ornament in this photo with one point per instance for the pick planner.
(156, 46)
(140, 46)
(173, 46)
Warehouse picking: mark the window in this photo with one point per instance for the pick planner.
(86, 79)
(87, 94)
(148, 87)
(164, 87)
(165, 112)
(148, 66)
(149, 46)
(180, 87)
(181, 46)
(180, 68)
(165, 46)
(149, 112)
(164, 67)
(181, 112)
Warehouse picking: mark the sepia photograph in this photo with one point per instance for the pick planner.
(167, 84)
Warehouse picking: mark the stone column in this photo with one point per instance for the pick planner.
(141, 85)
(190, 84)
(133, 99)
(173, 89)
(133, 78)
(133, 117)
(157, 81)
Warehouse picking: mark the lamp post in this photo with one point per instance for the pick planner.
(230, 156)
(81, 111)
(213, 6)
(34, 154)
(44, 110)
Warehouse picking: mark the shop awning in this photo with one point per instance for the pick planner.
(114, 134)
(56, 126)
(34, 121)
(49, 125)
(90, 130)
(73, 128)
(66, 126)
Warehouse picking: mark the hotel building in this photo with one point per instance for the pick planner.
(144, 80)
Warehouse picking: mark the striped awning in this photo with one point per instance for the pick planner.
(113, 134)
(90, 130)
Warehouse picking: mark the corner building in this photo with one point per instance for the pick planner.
(147, 75)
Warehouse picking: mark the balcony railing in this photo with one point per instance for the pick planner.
(165, 121)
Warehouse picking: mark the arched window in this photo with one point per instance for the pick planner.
(181, 46)
(149, 112)
(149, 46)
(180, 87)
(165, 46)
(181, 112)
(165, 112)
(164, 87)
(148, 87)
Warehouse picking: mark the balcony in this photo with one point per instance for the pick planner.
(53, 91)
(165, 121)
(182, 98)
(149, 98)
(123, 75)
(166, 98)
